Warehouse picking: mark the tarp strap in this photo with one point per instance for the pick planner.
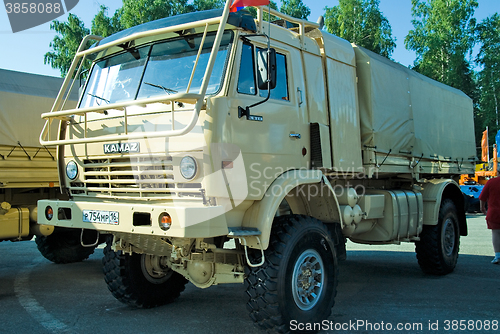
(19, 143)
(388, 153)
(8, 155)
(46, 149)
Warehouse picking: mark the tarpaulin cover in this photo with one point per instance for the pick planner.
(23, 98)
(406, 113)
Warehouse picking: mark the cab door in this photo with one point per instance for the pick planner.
(275, 137)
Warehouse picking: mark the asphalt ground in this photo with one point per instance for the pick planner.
(381, 289)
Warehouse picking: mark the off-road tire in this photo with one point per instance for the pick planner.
(63, 246)
(274, 299)
(131, 285)
(437, 250)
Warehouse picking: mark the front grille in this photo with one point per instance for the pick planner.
(133, 177)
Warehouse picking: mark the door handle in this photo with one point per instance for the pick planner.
(301, 100)
(295, 135)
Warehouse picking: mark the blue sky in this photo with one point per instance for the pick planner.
(23, 51)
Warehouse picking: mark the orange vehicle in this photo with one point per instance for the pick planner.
(472, 184)
(484, 171)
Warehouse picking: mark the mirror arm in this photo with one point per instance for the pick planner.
(246, 111)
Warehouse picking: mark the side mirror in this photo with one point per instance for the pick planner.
(266, 64)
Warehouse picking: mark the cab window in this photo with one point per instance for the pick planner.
(247, 83)
(280, 92)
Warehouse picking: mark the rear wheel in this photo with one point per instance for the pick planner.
(140, 280)
(298, 279)
(437, 250)
(64, 245)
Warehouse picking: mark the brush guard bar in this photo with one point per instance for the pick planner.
(197, 99)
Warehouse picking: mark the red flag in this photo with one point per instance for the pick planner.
(239, 4)
(485, 154)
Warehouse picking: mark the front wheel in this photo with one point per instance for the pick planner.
(437, 250)
(298, 281)
(140, 280)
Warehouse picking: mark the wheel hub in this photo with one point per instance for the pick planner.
(154, 270)
(308, 279)
(448, 237)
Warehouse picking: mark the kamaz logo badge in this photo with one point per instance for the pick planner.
(121, 148)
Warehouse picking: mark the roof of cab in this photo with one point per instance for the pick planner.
(242, 19)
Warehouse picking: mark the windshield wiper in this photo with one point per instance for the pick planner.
(165, 89)
(168, 91)
(100, 98)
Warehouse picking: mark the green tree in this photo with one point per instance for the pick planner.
(362, 23)
(295, 8)
(104, 26)
(135, 12)
(200, 5)
(488, 35)
(66, 43)
(443, 37)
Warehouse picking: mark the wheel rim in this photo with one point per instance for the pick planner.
(448, 237)
(308, 279)
(153, 269)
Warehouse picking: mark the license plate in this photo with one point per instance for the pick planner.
(100, 217)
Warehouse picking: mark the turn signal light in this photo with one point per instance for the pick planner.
(49, 213)
(165, 221)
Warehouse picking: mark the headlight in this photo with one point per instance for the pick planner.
(71, 170)
(188, 167)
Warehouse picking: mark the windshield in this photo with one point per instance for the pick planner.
(155, 70)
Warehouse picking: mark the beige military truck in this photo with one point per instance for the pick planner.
(28, 170)
(216, 148)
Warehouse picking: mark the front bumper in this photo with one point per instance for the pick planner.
(187, 221)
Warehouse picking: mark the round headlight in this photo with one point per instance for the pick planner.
(188, 167)
(71, 170)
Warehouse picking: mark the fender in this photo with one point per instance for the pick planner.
(433, 193)
(262, 213)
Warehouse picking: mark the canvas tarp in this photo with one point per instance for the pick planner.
(406, 113)
(23, 98)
